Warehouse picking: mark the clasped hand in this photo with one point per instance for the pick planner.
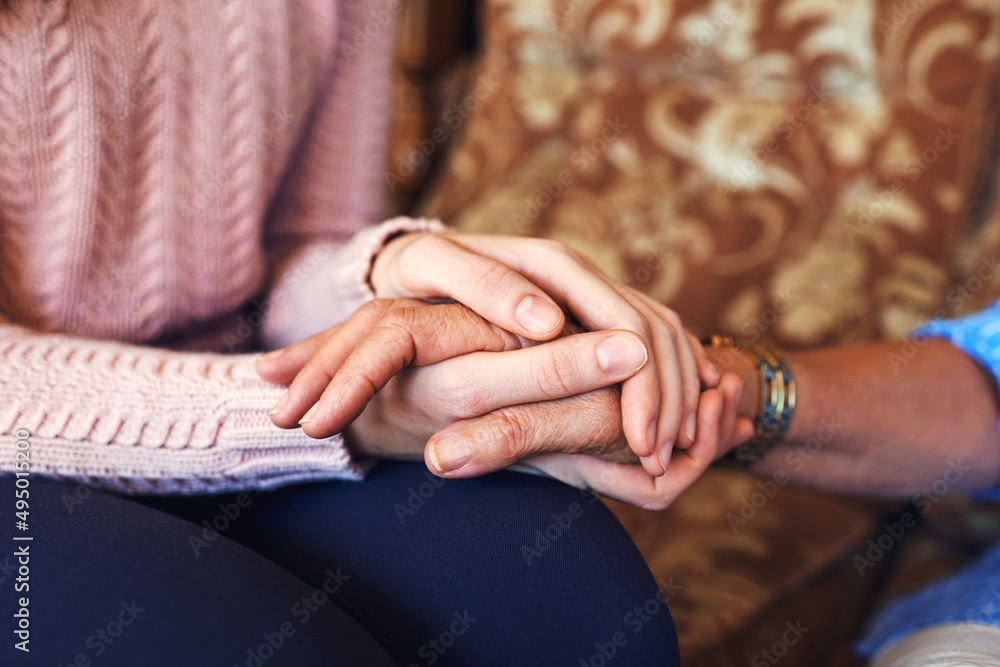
(467, 384)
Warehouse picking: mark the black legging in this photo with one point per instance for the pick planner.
(507, 569)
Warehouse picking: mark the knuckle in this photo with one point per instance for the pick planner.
(670, 317)
(315, 368)
(400, 319)
(671, 335)
(373, 310)
(556, 372)
(635, 318)
(490, 277)
(468, 402)
(601, 411)
(555, 247)
(464, 400)
(509, 435)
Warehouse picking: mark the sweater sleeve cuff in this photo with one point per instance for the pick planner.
(326, 282)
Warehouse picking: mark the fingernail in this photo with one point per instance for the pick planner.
(651, 437)
(739, 392)
(450, 452)
(689, 426)
(308, 415)
(273, 354)
(665, 453)
(621, 355)
(537, 316)
(279, 406)
(651, 465)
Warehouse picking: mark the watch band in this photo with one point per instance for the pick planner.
(777, 403)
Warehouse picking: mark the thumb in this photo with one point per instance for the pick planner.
(587, 423)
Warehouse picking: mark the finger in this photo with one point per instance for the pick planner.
(734, 429)
(729, 387)
(631, 484)
(707, 371)
(482, 382)
(589, 423)
(673, 367)
(679, 380)
(329, 393)
(433, 265)
(692, 356)
(303, 363)
(593, 298)
(280, 366)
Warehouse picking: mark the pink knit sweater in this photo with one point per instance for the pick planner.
(180, 181)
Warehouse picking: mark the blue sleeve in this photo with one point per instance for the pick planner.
(971, 596)
(978, 336)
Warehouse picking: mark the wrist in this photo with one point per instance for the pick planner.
(383, 248)
(776, 391)
(381, 277)
(739, 362)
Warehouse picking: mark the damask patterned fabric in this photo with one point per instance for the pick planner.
(804, 171)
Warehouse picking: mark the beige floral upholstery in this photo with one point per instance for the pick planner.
(800, 170)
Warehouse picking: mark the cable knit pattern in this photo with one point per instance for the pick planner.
(178, 181)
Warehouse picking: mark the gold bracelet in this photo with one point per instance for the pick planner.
(777, 404)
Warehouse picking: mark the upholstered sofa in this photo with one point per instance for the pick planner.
(803, 172)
